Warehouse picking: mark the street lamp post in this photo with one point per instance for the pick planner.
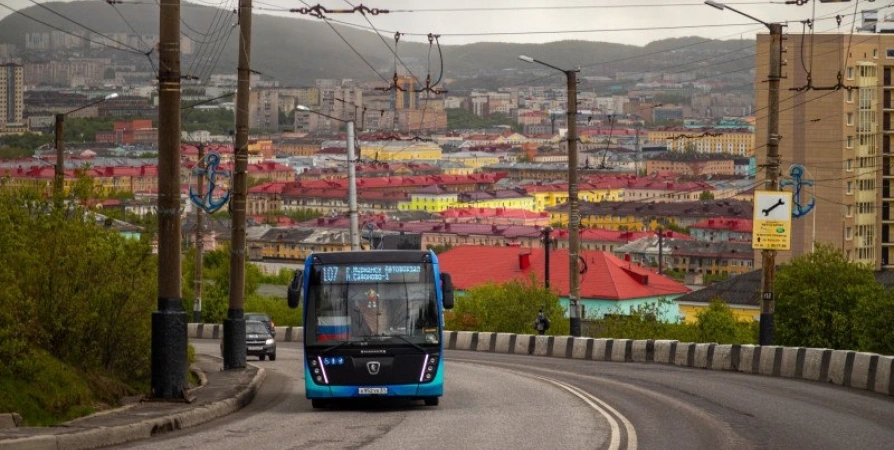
(58, 180)
(573, 206)
(768, 257)
(352, 177)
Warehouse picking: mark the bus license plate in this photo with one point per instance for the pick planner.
(372, 390)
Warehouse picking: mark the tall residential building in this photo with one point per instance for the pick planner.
(12, 94)
(263, 109)
(841, 136)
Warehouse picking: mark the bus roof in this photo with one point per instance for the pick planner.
(373, 256)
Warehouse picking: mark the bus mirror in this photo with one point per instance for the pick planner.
(295, 287)
(447, 290)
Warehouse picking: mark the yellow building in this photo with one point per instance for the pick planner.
(496, 199)
(739, 142)
(430, 199)
(472, 159)
(400, 151)
(548, 196)
(741, 313)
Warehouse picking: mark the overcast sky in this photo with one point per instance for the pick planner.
(624, 21)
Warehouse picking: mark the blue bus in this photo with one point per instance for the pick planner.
(373, 324)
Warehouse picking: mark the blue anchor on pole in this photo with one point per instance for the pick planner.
(208, 203)
(797, 173)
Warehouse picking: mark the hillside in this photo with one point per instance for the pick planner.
(296, 51)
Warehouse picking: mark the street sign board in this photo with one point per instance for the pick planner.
(772, 221)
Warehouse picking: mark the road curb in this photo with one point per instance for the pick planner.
(116, 435)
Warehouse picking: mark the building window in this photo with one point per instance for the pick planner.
(850, 73)
(850, 187)
(850, 96)
(850, 142)
(848, 235)
(850, 119)
(875, 53)
(849, 165)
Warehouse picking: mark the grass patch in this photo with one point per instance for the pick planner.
(52, 394)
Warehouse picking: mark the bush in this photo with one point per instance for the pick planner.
(81, 293)
(508, 308)
(276, 308)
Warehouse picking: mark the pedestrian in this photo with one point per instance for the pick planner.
(541, 323)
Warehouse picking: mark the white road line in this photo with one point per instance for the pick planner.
(594, 402)
(615, 442)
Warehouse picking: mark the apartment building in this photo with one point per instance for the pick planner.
(12, 94)
(841, 136)
(738, 142)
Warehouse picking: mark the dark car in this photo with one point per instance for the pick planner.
(258, 341)
(261, 317)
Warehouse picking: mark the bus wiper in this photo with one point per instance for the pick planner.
(333, 347)
(407, 341)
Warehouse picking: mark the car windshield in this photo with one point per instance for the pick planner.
(259, 317)
(397, 310)
(254, 327)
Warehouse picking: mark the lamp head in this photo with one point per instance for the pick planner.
(719, 6)
(111, 96)
(527, 59)
(302, 108)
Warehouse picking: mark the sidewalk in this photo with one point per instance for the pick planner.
(222, 393)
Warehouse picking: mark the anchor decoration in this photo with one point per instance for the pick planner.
(797, 173)
(208, 202)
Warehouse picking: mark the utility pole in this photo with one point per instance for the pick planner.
(660, 251)
(200, 244)
(169, 321)
(234, 324)
(547, 237)
(573, 208)
(58, 181)
(352, 190)
(768, 257)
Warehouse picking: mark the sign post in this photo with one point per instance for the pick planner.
(772, 226)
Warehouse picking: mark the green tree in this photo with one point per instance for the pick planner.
(706, 195)
(718, 324)
(509, 308)
(216, 287)
(818, 298)
(461, 118)
(874, 324)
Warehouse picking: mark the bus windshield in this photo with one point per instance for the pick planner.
(389, 304)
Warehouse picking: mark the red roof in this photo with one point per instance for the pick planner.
(725, 223)
(607, 277)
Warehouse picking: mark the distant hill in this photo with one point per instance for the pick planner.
(297, 51)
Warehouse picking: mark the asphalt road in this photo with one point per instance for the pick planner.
(513, 401)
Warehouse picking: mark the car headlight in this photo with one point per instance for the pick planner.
(268, 342)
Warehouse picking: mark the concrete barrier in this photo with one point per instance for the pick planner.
(524, 344)
(486, 342)
(840, 366)
(858, 370)
(770, 360)
(685, 354)
(816, 364)
(464, 340)
(505, 343)
(722, 358)
(664, 351)
(582, 348)
(749, 358)
(621, 350)
(602, 349)
(884, 375)
(703, 355)
(643, 351)
(792, 362)
(561, 346)
(864, 370)
(542, 345)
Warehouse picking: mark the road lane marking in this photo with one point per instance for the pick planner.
(600, 406)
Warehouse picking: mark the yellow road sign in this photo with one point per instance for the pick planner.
(772, 221)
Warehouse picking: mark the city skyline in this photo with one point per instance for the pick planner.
(461, 22)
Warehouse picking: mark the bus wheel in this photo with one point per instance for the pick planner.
(432, 401)
(317, 403)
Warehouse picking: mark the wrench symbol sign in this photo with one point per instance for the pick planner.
(766, 211)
